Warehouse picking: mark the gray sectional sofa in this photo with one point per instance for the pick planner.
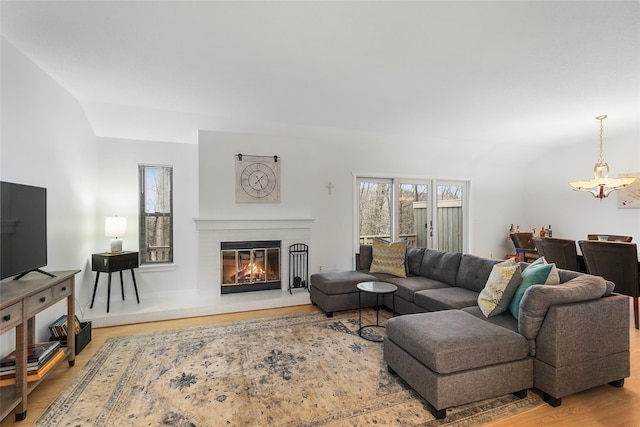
(567, 338)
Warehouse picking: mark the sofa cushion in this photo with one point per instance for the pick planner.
(502, 283)
(538, 298)
(364, 257)
(408, 286)
(440, 265)
(389, 257)
(340, 282)
(452, 341)
(474, 272)
(445, 298)
(538, 273)
(414, 260)
(505, 319)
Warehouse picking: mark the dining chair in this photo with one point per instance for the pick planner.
(562, 252)
(525, 249)
(617, 262)
(611, 237)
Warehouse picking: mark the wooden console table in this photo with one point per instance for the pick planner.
(20, 301)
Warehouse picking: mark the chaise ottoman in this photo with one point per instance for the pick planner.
(337, 291)
(452, 358)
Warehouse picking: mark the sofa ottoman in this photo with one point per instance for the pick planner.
(337, 291)
(452, 358)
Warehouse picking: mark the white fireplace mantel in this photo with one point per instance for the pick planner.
(213, 231)
(253, 223)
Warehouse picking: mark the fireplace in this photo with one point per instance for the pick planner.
(249, 266)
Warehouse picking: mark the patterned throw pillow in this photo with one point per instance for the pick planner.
(389, 257)
(537, 273)
(501, 285)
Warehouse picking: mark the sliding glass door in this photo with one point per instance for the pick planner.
(392, 209)
(397, 208)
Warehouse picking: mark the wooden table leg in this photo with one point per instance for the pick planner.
(21, 377)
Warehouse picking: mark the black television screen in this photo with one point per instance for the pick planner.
(23, 228)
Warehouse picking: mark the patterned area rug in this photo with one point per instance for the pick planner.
(302, 370)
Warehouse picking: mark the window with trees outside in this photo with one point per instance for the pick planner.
(156, 214)
(394, 208)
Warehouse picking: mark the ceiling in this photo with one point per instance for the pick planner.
(472, 72)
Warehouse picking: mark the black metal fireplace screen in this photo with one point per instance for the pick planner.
(250, 266)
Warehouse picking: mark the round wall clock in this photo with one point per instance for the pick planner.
(257, 179)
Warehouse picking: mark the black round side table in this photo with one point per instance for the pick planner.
(378, 289)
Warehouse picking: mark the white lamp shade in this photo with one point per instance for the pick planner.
(115, 226)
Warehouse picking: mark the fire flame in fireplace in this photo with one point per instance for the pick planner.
(250, 266)
(248, 271)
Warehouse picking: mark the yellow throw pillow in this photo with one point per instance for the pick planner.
(389, 258)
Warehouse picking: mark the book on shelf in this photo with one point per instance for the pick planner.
(31, 366)
(36, 353)
(59, 327)
(35, 375)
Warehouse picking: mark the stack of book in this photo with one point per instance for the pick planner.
(41, 357)
(59, 327)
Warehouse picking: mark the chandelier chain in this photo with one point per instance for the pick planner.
(601, 118)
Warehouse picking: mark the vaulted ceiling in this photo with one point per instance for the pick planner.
(472, 72)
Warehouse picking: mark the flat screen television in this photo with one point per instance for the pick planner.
(23, 229)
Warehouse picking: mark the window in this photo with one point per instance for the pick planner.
(394, 208)
(375, 209)
(156, 214)
(412, 213)
(451, 218)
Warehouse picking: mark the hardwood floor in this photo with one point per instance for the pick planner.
(600, 406)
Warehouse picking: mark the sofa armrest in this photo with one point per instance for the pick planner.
(576, 332)
(537, 300)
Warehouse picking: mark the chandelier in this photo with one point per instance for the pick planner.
(600, 186)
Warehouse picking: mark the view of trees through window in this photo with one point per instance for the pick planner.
(156, 214)
(449, 192)
(391, 209)
(375, 209)
(411, 198)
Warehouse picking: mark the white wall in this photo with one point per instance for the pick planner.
(217, 175)
(309, 164)
(46, 141)
(117, 194)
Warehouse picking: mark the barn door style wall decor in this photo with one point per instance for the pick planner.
(257, 179)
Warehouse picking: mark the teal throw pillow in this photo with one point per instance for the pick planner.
(538, 273)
